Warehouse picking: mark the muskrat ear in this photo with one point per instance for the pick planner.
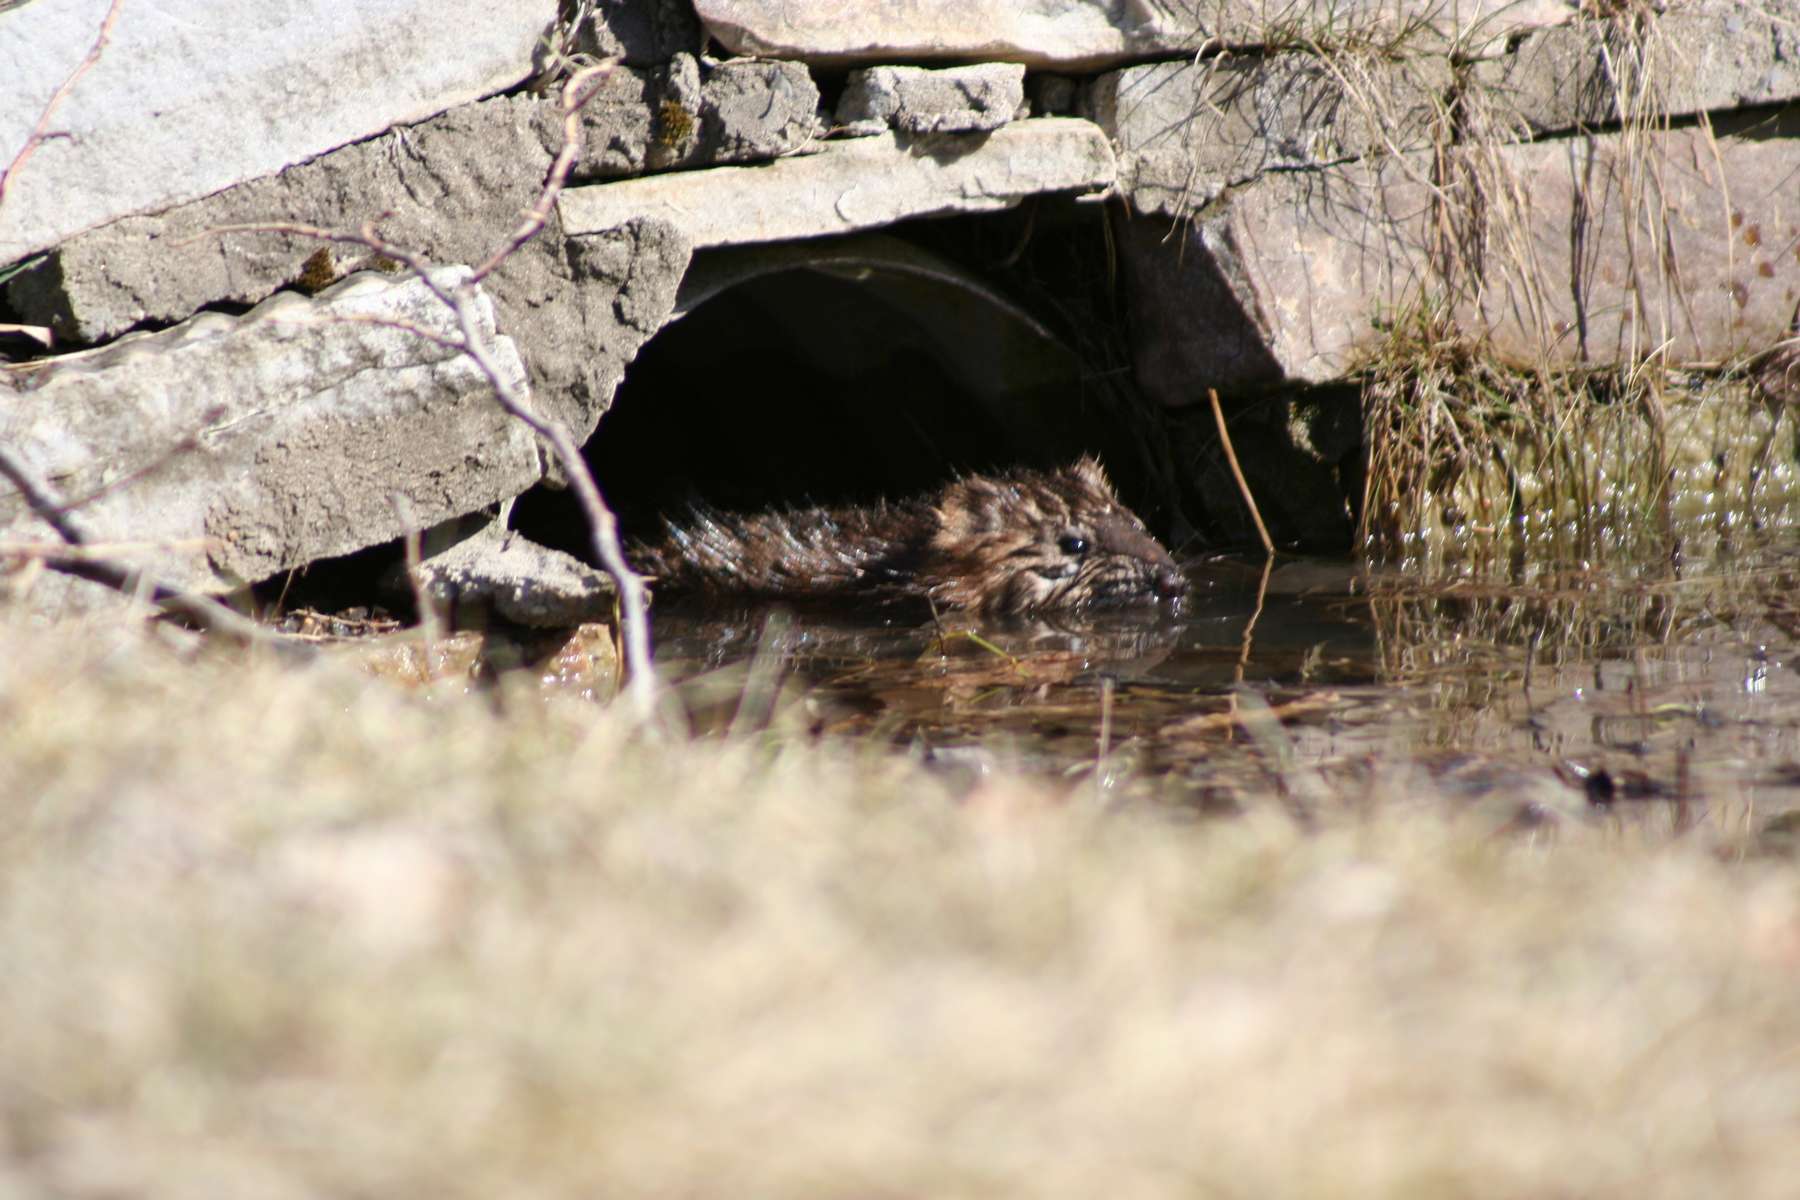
(1087, 468)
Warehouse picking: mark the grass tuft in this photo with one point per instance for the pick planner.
(294, 931)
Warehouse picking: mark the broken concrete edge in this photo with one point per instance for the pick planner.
(232, 449)
(689, 113)
(860, 183)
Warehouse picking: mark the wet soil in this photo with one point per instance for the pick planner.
(1660, 688)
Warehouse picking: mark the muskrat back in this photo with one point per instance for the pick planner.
(1019, 542)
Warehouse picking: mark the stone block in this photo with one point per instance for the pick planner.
(453, 186)
(860, 183)
(1081, 35)
(917, 100)
(236, 448)
(684, 115)
(751, 111)
(1186, 131)
(1706, 56)
(503, 574)
(1590, 252)
(178, 107)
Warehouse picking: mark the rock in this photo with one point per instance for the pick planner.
(642, 32)
(682, 116)
(1186, 131)
(240, 447)
(175, 109)
(1090, 34)
(856, 184)
(1709, 55)
(504, 574)
(751, 111)
(627, 278)
(1678, 244)
(453, 187)
(1554, 260)
(916, 100)
(1194, 317)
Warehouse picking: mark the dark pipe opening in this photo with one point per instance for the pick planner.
(848, 370)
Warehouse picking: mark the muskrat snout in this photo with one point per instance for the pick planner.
(1170, 583)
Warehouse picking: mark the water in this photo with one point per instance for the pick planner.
(1660, 686)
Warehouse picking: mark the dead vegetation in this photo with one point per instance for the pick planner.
(294, 932)
(1475, 466)
(1482, 457)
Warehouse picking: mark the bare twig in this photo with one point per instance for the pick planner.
(36, 137)
(472, 342)
(90, 551)
(41, 500)
(576, 93)
(181, 446)
(1212, 394)
(202, 610)
(430, 624)
(1262, 594)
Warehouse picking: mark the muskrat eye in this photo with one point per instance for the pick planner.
(1073, 544)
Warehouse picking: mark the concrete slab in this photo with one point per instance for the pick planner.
(1705, 56)
(235, 448)
(453, 187)
(1186, 131)
(860, 183)
(1092, 34)
(186, 101)
(918, 100)
(1579, 253)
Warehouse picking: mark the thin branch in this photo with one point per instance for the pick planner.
(633, 599)
(204, 611)
(430, 620)
(575, 95)
(36, 137)
(181, 446)
(46, 504)
(1237, 472)
(90, 551)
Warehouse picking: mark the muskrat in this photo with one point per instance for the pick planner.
(1013, 543)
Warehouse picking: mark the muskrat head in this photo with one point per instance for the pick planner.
(1032, 541)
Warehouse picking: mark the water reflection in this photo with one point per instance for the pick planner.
(1589, 687)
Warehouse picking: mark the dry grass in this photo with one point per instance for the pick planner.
(1484, 463)
(1479, 467)
(292, 932)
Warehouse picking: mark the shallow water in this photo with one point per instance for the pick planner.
(1663, 687)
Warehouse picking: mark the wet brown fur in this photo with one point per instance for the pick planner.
(1019, 542)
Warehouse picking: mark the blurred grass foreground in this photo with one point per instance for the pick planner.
(290, 931)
